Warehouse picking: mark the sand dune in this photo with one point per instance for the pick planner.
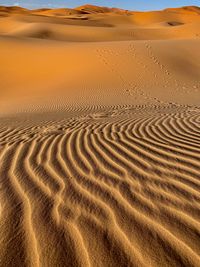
(99, 137)
(103, 189)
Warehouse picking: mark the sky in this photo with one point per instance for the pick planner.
(126, 4)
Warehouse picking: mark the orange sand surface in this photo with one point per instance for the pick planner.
(99, 137)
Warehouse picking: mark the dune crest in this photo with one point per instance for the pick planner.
(115, 24)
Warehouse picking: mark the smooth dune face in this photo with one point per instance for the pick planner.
(99, 137)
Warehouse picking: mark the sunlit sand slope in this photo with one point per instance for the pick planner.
(46, 75)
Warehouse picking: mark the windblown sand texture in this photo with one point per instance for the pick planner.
(99, 137)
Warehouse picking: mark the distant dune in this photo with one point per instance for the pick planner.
(116, 24)
(99, 137)
(186, 9)
(57, 12)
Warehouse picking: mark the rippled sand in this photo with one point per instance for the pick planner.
(99, 138)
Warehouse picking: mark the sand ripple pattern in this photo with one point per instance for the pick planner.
(112, 188)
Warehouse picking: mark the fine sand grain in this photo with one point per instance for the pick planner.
(99, 137)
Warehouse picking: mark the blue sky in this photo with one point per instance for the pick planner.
(126, 4)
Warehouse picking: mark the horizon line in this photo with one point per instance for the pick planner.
(114, 7)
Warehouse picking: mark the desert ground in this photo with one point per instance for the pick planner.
(99, 137)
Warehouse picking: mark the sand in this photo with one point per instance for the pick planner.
(99, 137)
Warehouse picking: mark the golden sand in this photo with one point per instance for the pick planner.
(99, 137)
